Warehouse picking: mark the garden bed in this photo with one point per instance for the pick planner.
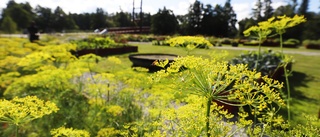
(147, 60)
(106, 51)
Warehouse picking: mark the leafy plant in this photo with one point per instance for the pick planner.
(278, 24)
(230, 85)
(189, 42)
(267, 64)
(19, 111)
(94, 43)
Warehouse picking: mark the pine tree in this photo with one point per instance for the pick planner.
(257, 11)
(267, 9)
(303, 7)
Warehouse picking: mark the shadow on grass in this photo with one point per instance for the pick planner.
(297, 80)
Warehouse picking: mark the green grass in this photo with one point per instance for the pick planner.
(305, 79)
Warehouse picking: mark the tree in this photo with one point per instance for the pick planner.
(44, 18)
(8, 25)
(244, 24)
(267, 9)
(303, 7)
(195, 17)
(231, 19)
(257, 11)
(61, 21)
(284, 10)
(208, 26)
(83, 21)
(123, 19)
(311, 28)
(21, 14)
(183, 24)
(99, 19)
(164, 22)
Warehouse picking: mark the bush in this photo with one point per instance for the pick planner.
(185, 41)
(311, 44)
(94, 43)
(268, 63)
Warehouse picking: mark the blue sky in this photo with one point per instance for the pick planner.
(243, 8)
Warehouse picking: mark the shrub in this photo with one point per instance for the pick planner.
(185, 41)
(311, 44)
(268, 63)
(94, 43)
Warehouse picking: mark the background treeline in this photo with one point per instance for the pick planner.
(201, 19)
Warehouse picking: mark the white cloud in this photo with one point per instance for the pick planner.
(242, 10)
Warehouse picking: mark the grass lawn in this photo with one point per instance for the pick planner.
(304, 82)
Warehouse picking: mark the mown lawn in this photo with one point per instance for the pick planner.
(304, 81)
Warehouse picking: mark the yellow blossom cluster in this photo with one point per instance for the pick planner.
(190, 42)
(69, 132)
(23, 110)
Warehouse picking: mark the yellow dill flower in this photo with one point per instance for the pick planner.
(115, 110)
(23, 110)
(69, 132)
(114, 60)
(108, 132)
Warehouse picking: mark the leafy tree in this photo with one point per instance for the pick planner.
(164, 22)
(195, 17)
(44, 18)
(8, 25)
(61, 21)
(83, 21)
(220, 21)
(99, 19)
(267, 9)
(183, 24)
(230, 18)
(294, 5)
(311, 28)
(21, 14)
(244, 24)
(208, 21)
(146, 19)
(123, 19)
(303, 7)
(284, 10)
(257, 11)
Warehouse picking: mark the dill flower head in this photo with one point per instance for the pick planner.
(23, 110)
(69, 132)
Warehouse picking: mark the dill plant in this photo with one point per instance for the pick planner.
(278, 24)
(19, 111)
(189, 43)
(231, 85)
(69, 132)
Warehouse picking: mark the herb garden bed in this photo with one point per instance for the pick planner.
(107, 51)
(147, 60)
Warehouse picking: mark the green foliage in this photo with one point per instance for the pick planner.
(164, 22)
(69, 132)
(311, 44)
(189, 42)
(94, 43)
(23, 110)
(268, 62)
(20, 13)
(118, 101)
(8, 25)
